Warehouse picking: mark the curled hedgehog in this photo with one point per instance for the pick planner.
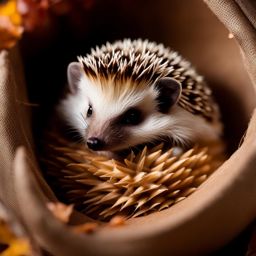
(132, 93)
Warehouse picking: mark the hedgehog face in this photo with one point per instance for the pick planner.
(119, 115)
(119, 119)
(136, 92)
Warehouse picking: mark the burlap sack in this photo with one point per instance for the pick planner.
(206, 220)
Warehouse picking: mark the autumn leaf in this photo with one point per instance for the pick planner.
(17, 247)
(61, 211)
(35, 14)
(10, 24)
(10, 245)
(9, 9)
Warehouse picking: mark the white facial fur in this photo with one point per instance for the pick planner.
(72, 110)
(108, 103)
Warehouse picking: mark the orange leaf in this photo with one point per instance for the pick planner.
(10, 24)
(15, 246)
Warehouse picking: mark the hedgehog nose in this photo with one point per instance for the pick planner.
(95, 143)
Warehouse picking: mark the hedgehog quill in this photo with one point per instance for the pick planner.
(132, 93)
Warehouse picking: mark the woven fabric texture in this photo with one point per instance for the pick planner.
(15, 128)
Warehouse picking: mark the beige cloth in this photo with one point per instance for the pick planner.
(239, 17)
(15, 128)
(201, 223)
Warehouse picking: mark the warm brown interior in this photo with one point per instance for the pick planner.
(187, 26)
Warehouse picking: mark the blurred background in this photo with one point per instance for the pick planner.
(54, 32)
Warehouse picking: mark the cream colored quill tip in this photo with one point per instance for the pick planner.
(150, 181)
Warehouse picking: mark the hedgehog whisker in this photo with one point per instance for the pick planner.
(82, 119)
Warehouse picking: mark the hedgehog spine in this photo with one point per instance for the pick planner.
(134, 92)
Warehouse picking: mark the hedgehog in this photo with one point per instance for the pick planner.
(135, 92)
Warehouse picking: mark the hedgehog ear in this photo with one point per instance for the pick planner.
(74, 75)
(169, 91)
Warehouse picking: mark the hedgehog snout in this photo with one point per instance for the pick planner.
(95, 143)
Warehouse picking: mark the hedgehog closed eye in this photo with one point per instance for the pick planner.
(133, 116)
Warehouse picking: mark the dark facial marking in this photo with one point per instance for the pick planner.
(132, 116)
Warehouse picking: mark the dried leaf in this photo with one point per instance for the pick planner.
(17, 247)
(10, 244)
(34, 13)
(61, 211)
(10, 24)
